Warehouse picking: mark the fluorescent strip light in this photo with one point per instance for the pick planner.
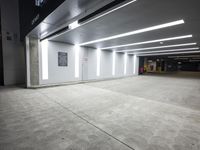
(173, 50)
(98, 62)
(113, 63)
(74, 25)
(148, 42)
(102, 15)
(44, 46)
(158, 47)
(106, 13)
(43, 34)
(125, 63)
(156, 54)
(136, 32)
(77, 57)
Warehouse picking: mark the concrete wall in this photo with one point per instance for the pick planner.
(13, 50)
(87, 64)
(34, 61)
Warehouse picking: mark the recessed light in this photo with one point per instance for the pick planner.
(158, 47)
(148, 42)
(172, 50)
(156, 54)
(74, 25)
(136, 32)
(43, 34)
(106, 13)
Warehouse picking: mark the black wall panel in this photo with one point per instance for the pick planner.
(31, 15)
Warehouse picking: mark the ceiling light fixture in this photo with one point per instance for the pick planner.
(74, 25)
(156, 54)
(106, 13)
(43, 34)
(148, 42)
(158, 47)
(174, 23)
(172, 50)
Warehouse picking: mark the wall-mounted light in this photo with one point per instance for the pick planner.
(45, 70)
(148, 42)
(77, 60)
(98, 62)
(135, 32)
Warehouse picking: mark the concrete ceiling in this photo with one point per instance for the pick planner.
(138, 15)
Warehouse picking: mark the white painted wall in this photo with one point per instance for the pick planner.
(119, 65)
(130, 66)
(87, 61)
(58, 74)
(13, 51)
(106, 64)
(92, 64)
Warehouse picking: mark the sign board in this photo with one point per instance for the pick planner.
(62, 59)
(33, 12)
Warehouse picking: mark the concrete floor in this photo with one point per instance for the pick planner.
(141, 113)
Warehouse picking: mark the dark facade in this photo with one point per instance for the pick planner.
(33, 12)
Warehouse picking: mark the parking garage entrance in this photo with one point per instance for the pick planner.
(169, 64)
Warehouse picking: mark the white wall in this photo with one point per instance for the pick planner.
(130, 66)
(87, 61)
(58, 74)
(106, 64)
(13, 51)
(119, 61)
(92, 64)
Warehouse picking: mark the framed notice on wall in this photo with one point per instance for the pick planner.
(62, 59)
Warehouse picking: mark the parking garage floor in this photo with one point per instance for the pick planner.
(158, 112)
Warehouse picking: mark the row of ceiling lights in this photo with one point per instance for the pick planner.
(157, 27)
(75, 25)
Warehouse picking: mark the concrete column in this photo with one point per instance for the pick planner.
(32, 60)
